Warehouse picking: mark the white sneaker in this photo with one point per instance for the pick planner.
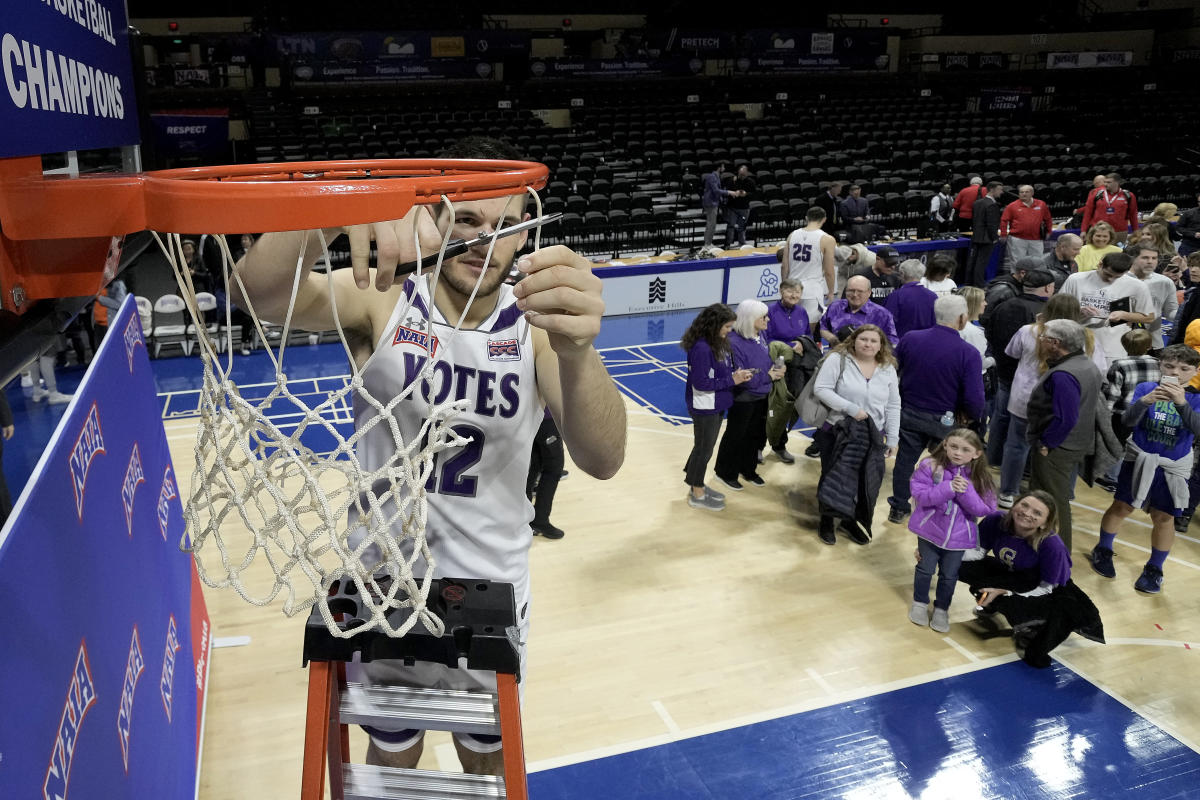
(40, 394)
(26, 380)
(58, 398)
(1005, 501)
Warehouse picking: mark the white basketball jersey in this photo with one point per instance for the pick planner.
(478, 521)
(807, 263)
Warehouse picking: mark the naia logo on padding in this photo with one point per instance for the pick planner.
(504, 350)
(89, 444)
(134, 475)
(133, 670)
(81, 696)
(165, 495)
(415, 331)
(166, 684)
(133, 337)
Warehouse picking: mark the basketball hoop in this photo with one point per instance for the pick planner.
(256, 479)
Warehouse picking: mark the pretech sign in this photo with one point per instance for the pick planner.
(68, 76)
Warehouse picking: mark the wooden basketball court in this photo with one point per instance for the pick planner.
(654, 622)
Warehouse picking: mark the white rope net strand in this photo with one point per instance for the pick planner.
(259, 493)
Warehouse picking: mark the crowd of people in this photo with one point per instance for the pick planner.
(993, 398)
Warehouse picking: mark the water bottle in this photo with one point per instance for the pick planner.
(948, 419)
(779, 361)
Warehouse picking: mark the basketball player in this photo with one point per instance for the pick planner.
(809, 259)
(519, 347)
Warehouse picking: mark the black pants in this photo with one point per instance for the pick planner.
(705, 428)
(864, 509)
(545, 469)
(977, 265)
(745, 435)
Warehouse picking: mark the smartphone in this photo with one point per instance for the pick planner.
(1169, 380)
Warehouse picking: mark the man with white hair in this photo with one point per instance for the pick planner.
(912, 304)
(941, 383)
(1024, 226)
(1061, 419)
(964, 202)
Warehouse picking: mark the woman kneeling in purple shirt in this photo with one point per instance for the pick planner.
(1027, 578)
(709, 391)
(746, 424)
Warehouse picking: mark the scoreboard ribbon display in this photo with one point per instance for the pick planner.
(106, 639)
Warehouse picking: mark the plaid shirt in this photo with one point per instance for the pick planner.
(1125, 374)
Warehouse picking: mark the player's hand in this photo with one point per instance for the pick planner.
(890, 452)
(1092, 311)
(8, 431)
(860, 415)
(561, 296)
(394, 245)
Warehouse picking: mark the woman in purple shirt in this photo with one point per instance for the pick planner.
(746, 425)
(1027, 578)
(709, 392)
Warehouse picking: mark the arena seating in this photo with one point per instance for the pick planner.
(627, 173)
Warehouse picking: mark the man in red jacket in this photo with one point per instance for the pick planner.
(1026, 222)
(964, 203)
(1114, 205)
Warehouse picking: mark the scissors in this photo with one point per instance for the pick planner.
(457, 247)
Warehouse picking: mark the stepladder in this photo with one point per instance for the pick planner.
(481, 633)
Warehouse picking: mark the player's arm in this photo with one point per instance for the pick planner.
(561, 298)
(268, 270)
(829, 267)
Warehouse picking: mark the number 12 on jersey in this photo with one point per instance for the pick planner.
(449, 477)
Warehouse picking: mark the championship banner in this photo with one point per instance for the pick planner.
(970, 61)
(1123, 58)
(1004, 100)
(389, 70)
(191, 132)
(68, 77)
(104, 666)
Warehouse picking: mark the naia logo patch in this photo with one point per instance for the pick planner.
(503, 350)
(415, 331)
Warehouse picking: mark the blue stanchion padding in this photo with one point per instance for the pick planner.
(104, 663)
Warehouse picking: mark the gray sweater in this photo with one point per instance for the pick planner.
(879, 396)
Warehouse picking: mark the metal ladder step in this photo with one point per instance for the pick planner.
(427, 709)
(363, 782)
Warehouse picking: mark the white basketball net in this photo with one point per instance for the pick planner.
(259, 493)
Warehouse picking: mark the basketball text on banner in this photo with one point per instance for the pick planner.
(68, 77)
(105, 662)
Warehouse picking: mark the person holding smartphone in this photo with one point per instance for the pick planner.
(1164, 418)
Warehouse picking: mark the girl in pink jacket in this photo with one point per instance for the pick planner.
(950, 491)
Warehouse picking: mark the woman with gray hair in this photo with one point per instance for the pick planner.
(746, 423)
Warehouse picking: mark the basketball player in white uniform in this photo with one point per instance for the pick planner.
(517, 349)
(809, 259)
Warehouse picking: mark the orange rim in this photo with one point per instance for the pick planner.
(321, 194)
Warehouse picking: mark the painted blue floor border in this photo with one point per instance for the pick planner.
(1007, 731)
